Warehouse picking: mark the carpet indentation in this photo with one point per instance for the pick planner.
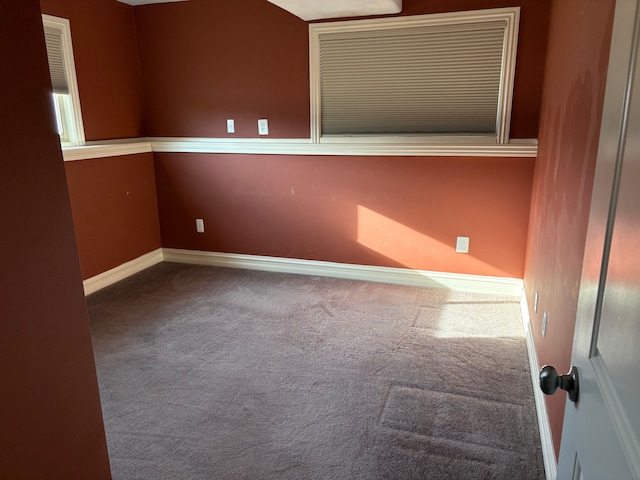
(455, 417)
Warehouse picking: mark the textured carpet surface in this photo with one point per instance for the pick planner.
(211, 373)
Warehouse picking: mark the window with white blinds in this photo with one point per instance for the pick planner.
(426, 76)
(55, 54)
(66, 100)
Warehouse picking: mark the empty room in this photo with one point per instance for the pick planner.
(298, 239)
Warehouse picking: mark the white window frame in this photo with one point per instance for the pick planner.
(68, 111)
(510, 15)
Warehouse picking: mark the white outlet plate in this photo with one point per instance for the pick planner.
(544, 324)
(535, 303)
(263, 126)
(231, 126)
(199, 225)
(462, 245)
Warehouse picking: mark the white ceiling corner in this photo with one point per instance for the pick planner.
(318, 9)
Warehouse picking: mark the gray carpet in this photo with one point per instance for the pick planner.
(211, 373)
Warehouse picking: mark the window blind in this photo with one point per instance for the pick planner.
(55, 54)
(442, 79)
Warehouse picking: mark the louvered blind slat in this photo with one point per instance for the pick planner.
(429, 79)
(53, 39)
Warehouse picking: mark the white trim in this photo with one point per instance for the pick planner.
(271, 146)
(401, 276)
(105, 150)
(121, 272)
(314, 86)
(510, 15)
(63, 24)
(507, 80)
(546, 440)
(404, 146)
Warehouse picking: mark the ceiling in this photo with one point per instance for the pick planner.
(317, 9)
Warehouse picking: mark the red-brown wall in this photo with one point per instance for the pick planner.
(50, 417)
(115, 210)
(106, 58)
(579, 41)
(242, 60)
(249, 60)
(389, 211)
(113, 199)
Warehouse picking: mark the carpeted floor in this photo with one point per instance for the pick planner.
(211, 373)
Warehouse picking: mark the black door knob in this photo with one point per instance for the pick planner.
(550, 381)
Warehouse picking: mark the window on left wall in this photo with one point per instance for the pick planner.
(64, 85)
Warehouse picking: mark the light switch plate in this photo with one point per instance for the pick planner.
(263, 126)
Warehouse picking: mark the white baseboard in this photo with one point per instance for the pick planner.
(401, 276)
(548, 451)
(121, 272)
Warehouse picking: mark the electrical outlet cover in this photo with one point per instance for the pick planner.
(462, 245)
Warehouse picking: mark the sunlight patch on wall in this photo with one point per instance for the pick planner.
(414, 249)
(393, 239)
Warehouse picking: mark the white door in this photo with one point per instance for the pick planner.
(601, 433)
